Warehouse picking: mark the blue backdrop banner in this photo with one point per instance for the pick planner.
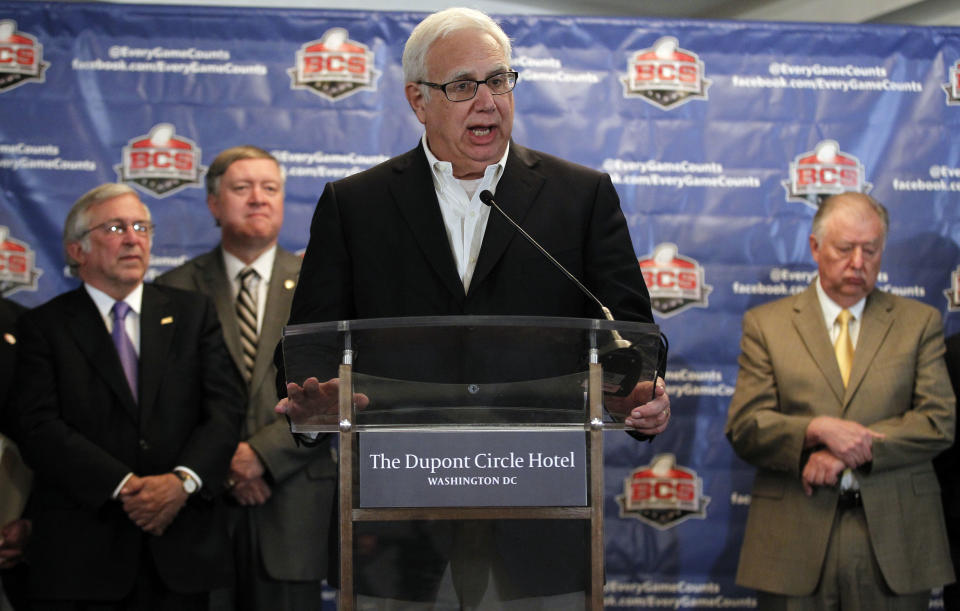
(721, 138)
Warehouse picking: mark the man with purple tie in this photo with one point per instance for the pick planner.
(127, 403)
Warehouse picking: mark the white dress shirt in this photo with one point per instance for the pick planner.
(831, 310)
(464, 215)
(264, 268)
(105, 303)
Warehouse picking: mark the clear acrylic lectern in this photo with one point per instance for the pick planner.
(471, 452)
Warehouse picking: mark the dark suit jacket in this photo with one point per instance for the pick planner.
(82, 432)
(10, 311)
(14, 475)
(898, 386)
(378, 248)
(948, 472)
(948, 463)
(302, 479)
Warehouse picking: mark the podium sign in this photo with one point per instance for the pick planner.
(473, 469)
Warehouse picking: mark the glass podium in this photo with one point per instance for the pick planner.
(471, 452)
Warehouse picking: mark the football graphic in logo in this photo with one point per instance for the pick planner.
(663, 494)
(334, 66)
(665, 75)
(21, 57)
(952, 88)
(953, 293)
(161, 163)
(824, 171)
(18, 271)
(675, 282)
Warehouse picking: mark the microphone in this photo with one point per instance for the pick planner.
(622, 363)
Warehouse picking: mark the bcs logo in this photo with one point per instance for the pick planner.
(675, 282)
(663, 494)
(161, 163)
(824, 171)
(21, 57)
(953, 87)
(953, 293)
(665, 75)
(334, 66)
(18, 270)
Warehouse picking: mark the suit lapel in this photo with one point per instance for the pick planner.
(516, 191)
(213, 275)
(415, 196)
(283, 281)
(86, 325)
(808, 321)
(157, 328)
(876, 323)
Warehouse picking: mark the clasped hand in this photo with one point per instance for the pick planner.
(246, 479)
(13, 540)
(153, 501)
(848, 445)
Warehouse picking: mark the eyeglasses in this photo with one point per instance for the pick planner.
(465, 89)
(117, 227)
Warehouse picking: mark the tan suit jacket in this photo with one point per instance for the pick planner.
(293, 525)
(898, 386)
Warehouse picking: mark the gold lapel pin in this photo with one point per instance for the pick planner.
(9, 338)
(289, 284)
(166, 320)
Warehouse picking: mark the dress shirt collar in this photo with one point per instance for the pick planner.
(105, 302)
(464, 215)
(831, 309)
(442, 171)
(263, 264)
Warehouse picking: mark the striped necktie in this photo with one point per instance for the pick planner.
(247, 318)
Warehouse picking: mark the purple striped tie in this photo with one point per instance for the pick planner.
(128, 356)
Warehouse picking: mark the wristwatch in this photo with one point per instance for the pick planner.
(189, 484)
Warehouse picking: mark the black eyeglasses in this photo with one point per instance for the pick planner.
(465, 89)
(118, 227)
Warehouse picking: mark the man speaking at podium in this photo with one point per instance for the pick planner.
(411, 237)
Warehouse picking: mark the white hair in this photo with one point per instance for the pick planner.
(439, 25)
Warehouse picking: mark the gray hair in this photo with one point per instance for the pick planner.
(831, 203)
(439, 25)
(75, 228)
(226, 158)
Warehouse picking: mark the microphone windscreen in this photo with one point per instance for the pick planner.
(486, 197)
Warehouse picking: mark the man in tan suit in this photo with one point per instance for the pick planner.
(282, 493)
(842, 421)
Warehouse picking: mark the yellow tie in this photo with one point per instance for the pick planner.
(843, 347)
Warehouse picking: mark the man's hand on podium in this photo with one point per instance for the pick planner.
(314, 400)
(644, 414)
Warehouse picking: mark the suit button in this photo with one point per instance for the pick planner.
(144, 445)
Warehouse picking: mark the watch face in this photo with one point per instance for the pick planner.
(189, 485)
